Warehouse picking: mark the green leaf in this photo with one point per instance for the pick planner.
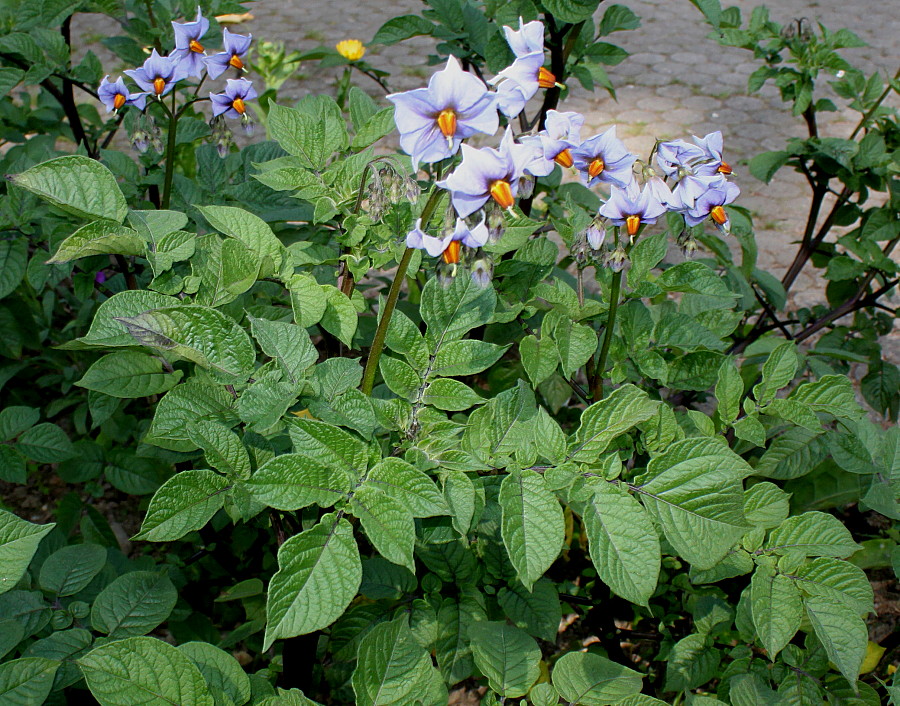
(308, 300)
(251, 230)
(507, 656)
(199, 334)
(729, 390)
(226, 679)
(451, 395)
(388, 524)
(452, 310)
(776, 609)
(133, 604)
(329, 445)
(129, 374)
(537, 612)
(184, 503)
(647, 252)
(398, 29)
(319, 572)
(691, 663)
(695, 492)
(539, 358)
(19, 541)
(831, 394)
(389, 666)
(46, 443)
(143, 670)
(763, 166)
(778, 370)
(13, 259)
(839, 628)
(27, 681)
(532, 524)
(400, 377)
(185, 405)
(840, 580)
(576, 344)
(299, 133)
(9, 79)
(69, 569)
(812, 534)
(294, 481)
(406, 483)
(792, 454)
(223, 448)
(623, 543)
(374, 129)
(99, 238)
(571, 10)
(77, 185)
(286, 343)
(225, 269)
(459, 492)
(766, 505)
(106, 331)
(465, 357)
(589, 679)
(695, 278)
(64, 646)
(340, 317)
(16, 419)
(623, 409)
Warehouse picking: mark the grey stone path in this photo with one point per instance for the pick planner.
(676, 82)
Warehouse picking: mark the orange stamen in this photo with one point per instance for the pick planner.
(632, 223)
(595, 167)
(451, 254)
(545, 78)
(501, 192)
(118, 101)
(238, 105)
(159, 85)
(564, 158)
(236, 62)
(718, 215)
(195, 46)
(446, 121)
(725, 168)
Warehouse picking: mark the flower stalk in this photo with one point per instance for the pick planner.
(170, 154)
(614, 292)
(390, 303)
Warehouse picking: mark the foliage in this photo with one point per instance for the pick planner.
(356, 495)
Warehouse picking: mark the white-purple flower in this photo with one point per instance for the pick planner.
(710, 204)
(158, 74)
(232, 101)
(115, 95)
(520, 81)
(604, 158)
(488, 173)
(448, 246)
(712, 145)
(235, 47)
(632, 207)
(528, 39)
(433, 121)
(555, 143)
(189, 52)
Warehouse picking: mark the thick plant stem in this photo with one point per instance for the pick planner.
(597, 391)
(380, 333)
(368, 381)
(170, 155)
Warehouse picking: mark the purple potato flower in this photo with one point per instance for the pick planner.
(604, 158)
(448, 246)
(632, 207)
(529, 38)
(115, 95)
(519, 81)
(433, 121)
(235, 48)
(158, 74)
(677, 155)
(189, 52)
(554, 144)
(710, 204)
(488, 173)
(712, 146)
(232, 101)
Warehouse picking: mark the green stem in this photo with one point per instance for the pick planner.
(871, 111)
(597, 392)
(368, 380)
(170, 154)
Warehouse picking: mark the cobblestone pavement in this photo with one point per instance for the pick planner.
(676, 82)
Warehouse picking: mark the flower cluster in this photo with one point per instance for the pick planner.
(690, 178)
(159, 75)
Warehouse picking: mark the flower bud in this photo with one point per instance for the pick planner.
(482, 271)
(411, 190)
(247, 124)
(140, 140)
(616, 260)
(526, 186)
(157, 145)
(494, 220)
(595, 234)
(687, 243)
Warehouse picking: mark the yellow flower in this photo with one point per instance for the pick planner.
(351, 49)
